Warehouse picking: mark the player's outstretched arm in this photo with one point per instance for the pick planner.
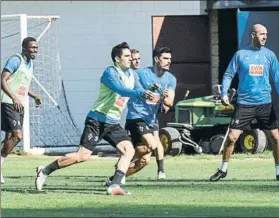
(112, 80)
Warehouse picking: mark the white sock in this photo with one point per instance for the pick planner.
(277, 169)
(224, 166)
(2, 160)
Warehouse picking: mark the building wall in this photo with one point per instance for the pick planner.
(214, 41)
(89, 29)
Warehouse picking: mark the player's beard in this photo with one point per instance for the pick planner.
(258, 43)
(164, 69)
(263, 42)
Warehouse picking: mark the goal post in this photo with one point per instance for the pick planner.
(51, 125)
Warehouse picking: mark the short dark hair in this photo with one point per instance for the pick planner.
(157, 52)
(133, 51)
(25, 42)
(117, 50)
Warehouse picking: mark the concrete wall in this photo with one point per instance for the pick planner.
(89, 29)
(214, 41)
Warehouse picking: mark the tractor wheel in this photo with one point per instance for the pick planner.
(253, 141)
(205, 145)
(170, 140)
(216, 143)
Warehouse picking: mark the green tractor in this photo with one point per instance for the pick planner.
(201, 126)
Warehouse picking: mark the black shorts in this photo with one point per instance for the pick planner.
(94, 131)
(156, 126)
(11, 119)
(245, 114)
(137, 128)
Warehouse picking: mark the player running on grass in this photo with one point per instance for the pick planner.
(15, 86)
(253, 64)
(118, 83)
(142, 114)
(160, 149)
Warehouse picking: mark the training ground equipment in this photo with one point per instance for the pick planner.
(201, 126)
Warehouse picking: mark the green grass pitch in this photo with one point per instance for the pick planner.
(250, 189)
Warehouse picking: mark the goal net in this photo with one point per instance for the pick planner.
(50, 125)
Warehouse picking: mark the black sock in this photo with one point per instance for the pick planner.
(118, 175)
(50, 168)
(111, 178)
(160, 164)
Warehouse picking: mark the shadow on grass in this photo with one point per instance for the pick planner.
(128, 210)
(132, 179)
(47, 190)
(96, 187)
(65, 177)
(59, 176)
